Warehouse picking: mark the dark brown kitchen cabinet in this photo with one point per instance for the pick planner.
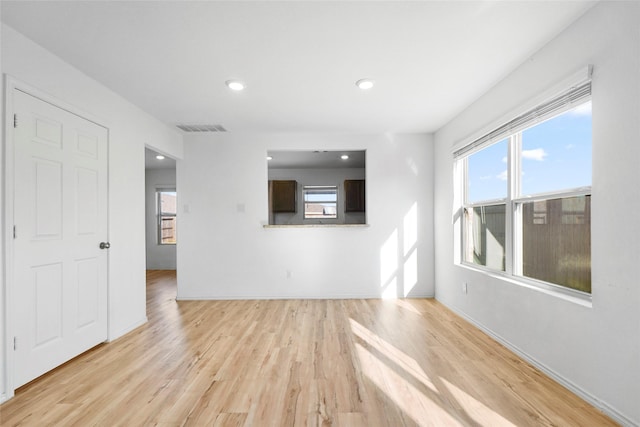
(283, 196)
(354, 195)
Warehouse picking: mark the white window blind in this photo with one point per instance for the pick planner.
(563, 102)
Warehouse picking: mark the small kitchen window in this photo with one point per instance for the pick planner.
(320, 202)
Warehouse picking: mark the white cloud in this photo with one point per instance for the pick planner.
(570, 146)
(484, 178)
(502, 176)
(536, 154)
(504, 159)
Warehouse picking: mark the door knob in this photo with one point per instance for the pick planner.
(105, 245)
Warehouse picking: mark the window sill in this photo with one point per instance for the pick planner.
(315, 226)
(584, 300)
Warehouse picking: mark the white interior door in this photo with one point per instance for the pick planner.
(60, 215)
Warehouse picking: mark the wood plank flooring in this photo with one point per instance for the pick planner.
(297, 363)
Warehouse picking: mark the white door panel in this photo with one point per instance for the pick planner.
(88, 289)
(87, 201)
(47, 284)
(60, 214)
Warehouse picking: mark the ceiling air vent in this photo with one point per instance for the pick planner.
(202, 128)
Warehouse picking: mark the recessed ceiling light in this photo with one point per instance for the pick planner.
(235, 84)
(269, 158)
(160, 157)
(364, 84)
(344, 157)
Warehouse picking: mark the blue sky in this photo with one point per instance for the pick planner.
(556, 155)
(329, 196)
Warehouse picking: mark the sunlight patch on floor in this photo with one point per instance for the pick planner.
(400, 358)
(475, 409)
(406, 304)
(412, 401)
(404, 381)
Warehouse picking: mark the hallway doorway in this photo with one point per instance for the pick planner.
(161, 212)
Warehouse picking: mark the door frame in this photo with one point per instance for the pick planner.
(12, 84)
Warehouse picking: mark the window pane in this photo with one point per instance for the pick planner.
(168, 202)
(485, 236)
(556, 154)
(167, 230)
(324, 197)
(320, 210)
(556, 241)
(487, 173)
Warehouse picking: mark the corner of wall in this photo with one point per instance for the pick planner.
(3, 299)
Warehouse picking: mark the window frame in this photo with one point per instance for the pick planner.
(514, 201)
(318, 187)
(160, 215)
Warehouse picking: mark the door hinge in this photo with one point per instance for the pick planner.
(15, 233)
(15, 120)
(15, 343)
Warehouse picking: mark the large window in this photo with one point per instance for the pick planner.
(167, 209)
(527, 195)
(320, 202)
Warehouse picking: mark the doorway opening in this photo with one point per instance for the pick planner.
(161, 213)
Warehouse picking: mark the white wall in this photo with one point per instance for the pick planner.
(311, 176)
(129, 130)
(595, 351)
(225, 252)
(3, 319)
(159, 257)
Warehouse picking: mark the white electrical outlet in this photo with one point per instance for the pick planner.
(289, 274)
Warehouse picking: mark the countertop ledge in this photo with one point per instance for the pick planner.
(315, 226)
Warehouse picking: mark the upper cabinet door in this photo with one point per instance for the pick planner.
(284, 196)
(354, 190)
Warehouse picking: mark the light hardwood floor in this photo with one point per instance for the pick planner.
(297, 363)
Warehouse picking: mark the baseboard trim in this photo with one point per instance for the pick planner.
(590, 398)
(290, 297)
(133, 326)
